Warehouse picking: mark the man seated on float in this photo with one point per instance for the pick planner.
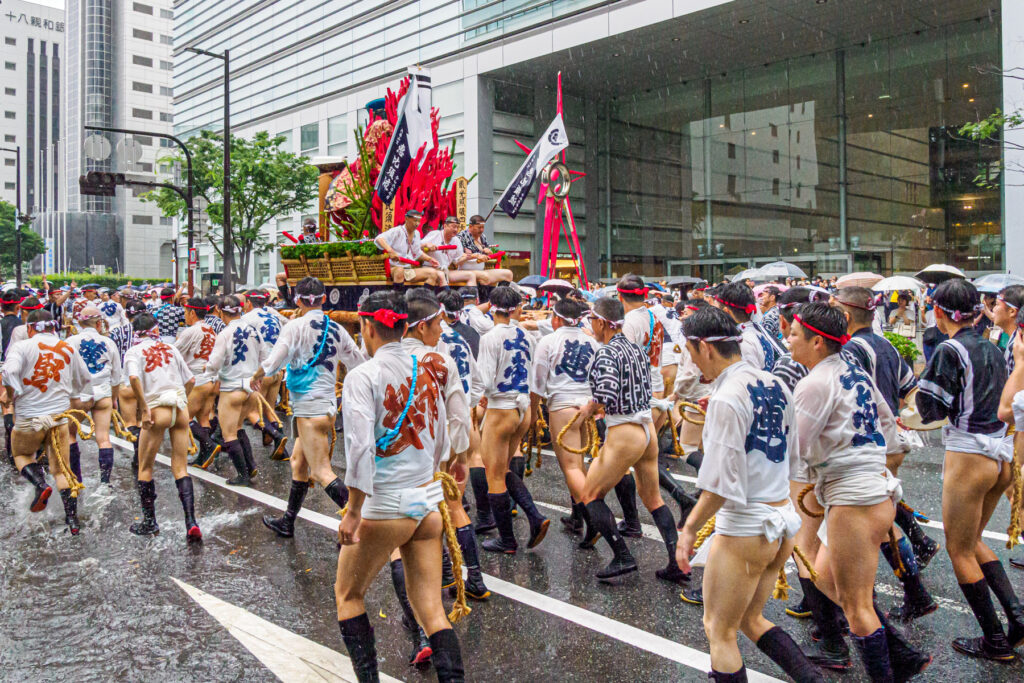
(453, 255)
(480, 251)
(403, 242)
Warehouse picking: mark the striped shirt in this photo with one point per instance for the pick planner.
(963, 381)
(620, 378)
(789, 371)
(877, 357)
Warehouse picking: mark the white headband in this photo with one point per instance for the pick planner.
(715, 339)
(42, 325)
(611, 323)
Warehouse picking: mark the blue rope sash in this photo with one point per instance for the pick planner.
(300, 380)
(384, 442)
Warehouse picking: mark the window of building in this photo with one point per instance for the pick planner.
(10, 138)
(287, 144)
(732, 150)
(166, 14)
(10, 91)
(167, 169)
(775, 156)
(145, 166)
(166, 39)
(142, 87)
(798, 162)
(166, 92)
(10, 162)
(10, 41)
(164, 142)
(166, 66)
(775, 186)
(774, 129)
(142, 61)
(730, 184)
(142, 35)
(139, 191)
(9, 115)
(144, 9)
(142, 220)
(309, 138)
(337, 131)
(798, 137)
(144, 140)
(10, 186)
(142, 113)
(166, 220)
(10, 66)
(166, 117)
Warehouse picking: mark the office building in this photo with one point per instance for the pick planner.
(118, 76)
(715, 135)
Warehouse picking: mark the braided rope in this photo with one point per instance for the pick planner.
(283, 404)
(803, 508)
(683, 414)
(531, 445)
(117, 422)
(900, 570)
(704, 533)
(677, 447)
(807, 563)
(451, 492)
(591, 447)
(1016, 500)
(266, 411)
(57, 443)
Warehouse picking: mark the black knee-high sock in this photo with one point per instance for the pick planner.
(8, 428)
(625, 491)
(667, 527)
(602, 520)
(398, 582)
(447, 657)
(250, 462)
(501, 504)
(478, 480)
(106, 458)
(362, 647)
(999, 583)
(271, 429)
(980, 601)
(337, 492)
(75, 459)
(784, 651)
(824, 612)
(911, 578)
(518, 465)
(521, 495)
(467, 542)
(906, 521)
(237, 455)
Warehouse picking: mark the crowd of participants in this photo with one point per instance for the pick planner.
(793, 411)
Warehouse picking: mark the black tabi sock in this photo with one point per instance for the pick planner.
(999, 583)
(237, 455)
(625, 491)
(602, 520)
(906, 521)
(243, 439)
(521, 495)
(272, 429)
(980, 601)
(447, 656)
(735, 677)
(75, 459)
(200, 434)
(398, 583)
(9, 423)
(467, 542)
(33, 472)
(296, 495)
(824, 612)
(874, 652)
(911, 578)
(784, 651)
(337, 492)
(501, 508)
(186, 494)
(478, 480)
(667, 527)
(106, 458)
(362, 648)
(518, 465)
(147, 496)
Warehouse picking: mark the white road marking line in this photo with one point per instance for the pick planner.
(598, 623)
(288, 655)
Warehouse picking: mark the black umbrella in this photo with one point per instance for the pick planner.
(533, 281)
(681, 280)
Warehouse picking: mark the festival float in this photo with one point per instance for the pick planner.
(341, 251)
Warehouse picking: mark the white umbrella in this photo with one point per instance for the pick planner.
(557, 286)
(993, 283)
(939, 272)
(858, 280)
(898, 283)
(782, 269)
(748, 274)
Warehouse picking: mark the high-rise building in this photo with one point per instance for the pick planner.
(31, 51)
(715, 134)
(118, 76)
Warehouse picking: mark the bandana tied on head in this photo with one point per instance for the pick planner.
(231, 309)
(842, 340)
(44, 325)
(734, 338)
(959, 316)
(642, 291)
(748, 309)
(313, 299)
(89, 313)
(575, 322)
(385, 316)
(614, 324)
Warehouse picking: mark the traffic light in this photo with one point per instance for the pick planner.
(100, 183)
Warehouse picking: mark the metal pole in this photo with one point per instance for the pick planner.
(227, 280)
(841, 107)
(17, 217)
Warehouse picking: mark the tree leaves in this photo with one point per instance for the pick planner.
(32, 244)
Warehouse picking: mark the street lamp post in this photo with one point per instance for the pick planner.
(17, 210)
(228, 248)
(187, 196)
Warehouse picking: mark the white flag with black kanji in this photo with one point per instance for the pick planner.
(550, 144)
(412, 131)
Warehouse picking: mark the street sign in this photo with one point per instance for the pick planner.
(96, 147)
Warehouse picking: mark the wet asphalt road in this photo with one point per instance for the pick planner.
(102, 606)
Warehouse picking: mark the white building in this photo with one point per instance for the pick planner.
(31, 54)
(714, 133)
(119, 76)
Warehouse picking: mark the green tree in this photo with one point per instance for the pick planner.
(266, 182)
(32, 244)
(990, 132)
